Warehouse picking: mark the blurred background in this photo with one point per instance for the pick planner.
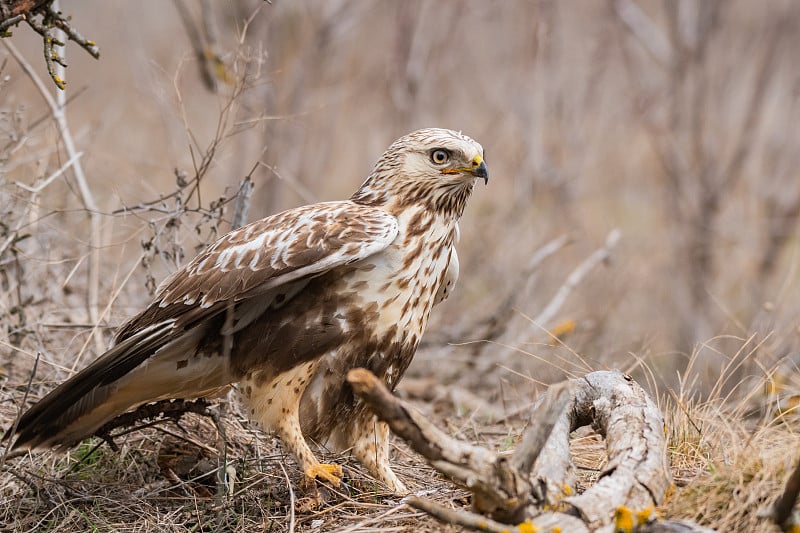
(641, 213)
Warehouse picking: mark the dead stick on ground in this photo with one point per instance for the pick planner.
(459, 518)
(508, 491)
(500, 490)
(541, 426)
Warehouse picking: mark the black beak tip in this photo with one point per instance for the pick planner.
(482, 172)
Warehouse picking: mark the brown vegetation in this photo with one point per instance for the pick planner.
(673, 123)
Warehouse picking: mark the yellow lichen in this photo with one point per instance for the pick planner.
(623, 520)
(528, 527)
(644, 515)
(564, 328)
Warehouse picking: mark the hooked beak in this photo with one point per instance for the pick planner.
(478, 169)
(481, 172)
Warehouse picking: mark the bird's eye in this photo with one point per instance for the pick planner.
(440, 156)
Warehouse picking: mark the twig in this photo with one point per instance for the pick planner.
(296, 185)
(52, 177)
(498, 320)
(225, 485)
(575, 277)
(164, 409)
(291, 498)
(44, 17)
(644, 29)
(467, 519)
(241, 206)
(4, 25)
(88, 202)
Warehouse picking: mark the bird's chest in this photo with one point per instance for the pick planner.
(388, 297)
(400, 284)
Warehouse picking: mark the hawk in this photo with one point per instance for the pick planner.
(286, 306)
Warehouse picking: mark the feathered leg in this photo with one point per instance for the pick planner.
(370, 444)
(274, 404)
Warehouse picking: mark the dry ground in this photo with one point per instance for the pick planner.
(674, 123)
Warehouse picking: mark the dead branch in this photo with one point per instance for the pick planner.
(44, 16)
(538, 475)
(499, 490)
(205, 44)
(637, 474)
(496, 323)
(644, 29)
(545, 523)
(459, 518)
(576, 276)
(241, 206)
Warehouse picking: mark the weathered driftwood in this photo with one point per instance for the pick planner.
(637, 474)
(539, 475)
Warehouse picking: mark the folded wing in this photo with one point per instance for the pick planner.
(152, 358)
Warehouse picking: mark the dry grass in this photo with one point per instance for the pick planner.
(587, 129)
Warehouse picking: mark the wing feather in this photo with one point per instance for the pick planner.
(277, 250)
(152, 356)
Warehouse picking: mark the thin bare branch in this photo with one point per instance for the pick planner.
(644, 30)
(241, 206)
(575, 278)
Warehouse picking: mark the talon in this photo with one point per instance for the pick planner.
(330, 473)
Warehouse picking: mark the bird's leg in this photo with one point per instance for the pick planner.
(371, 449)
(292, 436)
(275, 405)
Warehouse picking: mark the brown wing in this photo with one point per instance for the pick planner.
(152, 358)
(265, 254)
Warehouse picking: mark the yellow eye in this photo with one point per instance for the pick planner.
(440, 156)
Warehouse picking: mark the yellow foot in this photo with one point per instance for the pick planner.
(330, 473)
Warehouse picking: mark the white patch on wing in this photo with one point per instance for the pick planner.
(348, 253)
(234, 254)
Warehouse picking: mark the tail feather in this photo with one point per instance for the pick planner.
(147, 366)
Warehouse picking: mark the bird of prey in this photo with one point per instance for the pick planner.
(286, 306)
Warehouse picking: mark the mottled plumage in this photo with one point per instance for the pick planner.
(285, 306)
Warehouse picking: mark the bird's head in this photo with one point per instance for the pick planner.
(434, 167)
